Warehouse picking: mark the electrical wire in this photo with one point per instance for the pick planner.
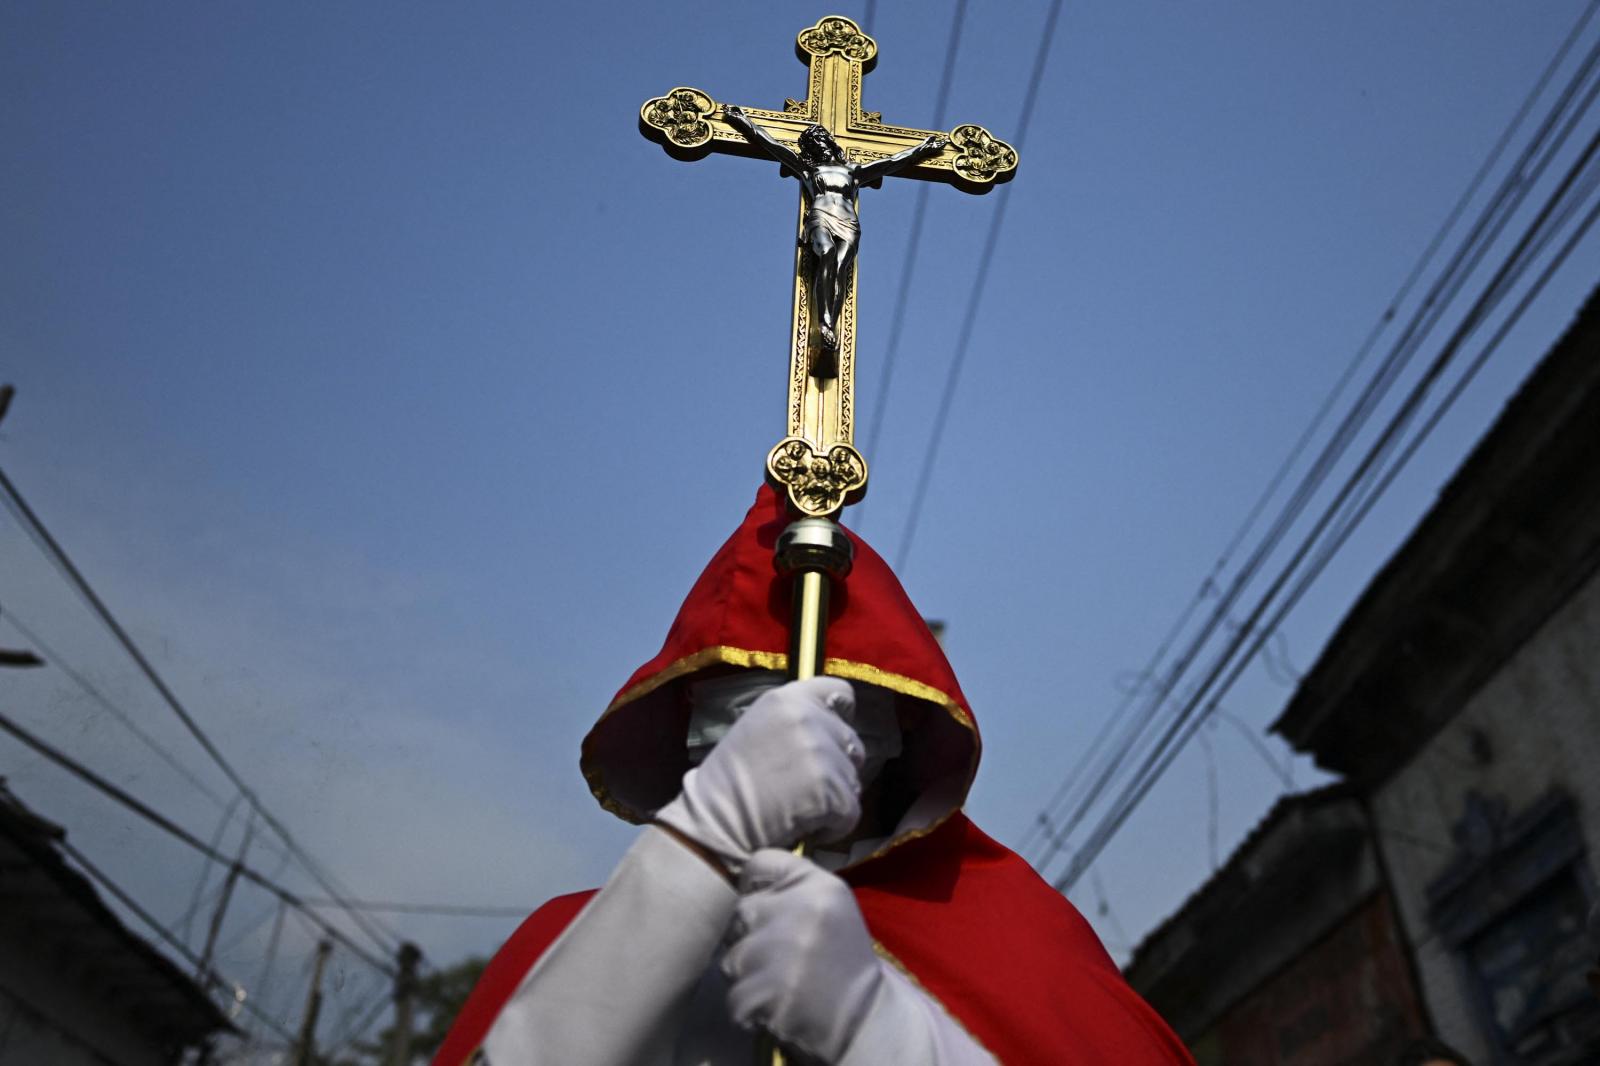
(55, 659)
(1260, 748)
(1103, 909)
(975, 296)
(1441, 294)
(249, 928)
(1213, 802)
(374, 1012)
(212, 977)
(1166, 750)
(264, 981)
(1534, 239)
(166, 824)
(386, 940)
(187, 918)
(1058, 837)
(919, 213)
(122, 717)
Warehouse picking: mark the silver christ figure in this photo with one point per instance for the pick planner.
(832, 185)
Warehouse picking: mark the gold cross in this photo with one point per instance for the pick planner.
(817, 461)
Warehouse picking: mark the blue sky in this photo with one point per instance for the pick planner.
(393, 389)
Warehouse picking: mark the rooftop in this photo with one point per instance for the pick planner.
(59, 907)
(1512, 533)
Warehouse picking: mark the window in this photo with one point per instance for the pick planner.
(1512, 905)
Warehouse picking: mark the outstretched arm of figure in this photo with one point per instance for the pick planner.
(867, 173)
(759, 137)
(615, 985)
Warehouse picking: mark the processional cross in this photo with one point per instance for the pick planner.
(834, 148)
(817, 461)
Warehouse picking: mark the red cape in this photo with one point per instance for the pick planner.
(1005, 953)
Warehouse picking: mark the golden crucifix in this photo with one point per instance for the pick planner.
(834, 148)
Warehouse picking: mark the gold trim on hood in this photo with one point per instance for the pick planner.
(745, 658)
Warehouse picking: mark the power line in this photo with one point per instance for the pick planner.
(374, 1012)
(1165, 750)
(41, 536)
(172, 828)
(1213, 802)
(908, 268)
(271, 960)
(187, 918)
(55, 659)
(1057, 839)
(1443, 291)
(1260, 748)
(250, 927)
(1080, 774)
(1368, 475)
(347, 1018)
(211, 976)
(1103, 909)
(1043, 823)
(975, 297)
(1434, 244)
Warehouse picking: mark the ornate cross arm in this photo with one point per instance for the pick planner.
(690, 125)
(816, 461)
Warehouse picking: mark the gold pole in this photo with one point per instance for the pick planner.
(816, 552)
(809, 629)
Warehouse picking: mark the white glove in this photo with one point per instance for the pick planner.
(801, 965)
(788, 770)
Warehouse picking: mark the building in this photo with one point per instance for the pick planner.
(76, 986)
(1459, 702)
(1290, 953)
(1461, 696)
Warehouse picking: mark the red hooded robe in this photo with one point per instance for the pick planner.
(1007, 955)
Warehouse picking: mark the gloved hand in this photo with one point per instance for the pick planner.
(801, 964)
(788, 770)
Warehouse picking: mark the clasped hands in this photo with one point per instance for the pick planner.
(798, 956)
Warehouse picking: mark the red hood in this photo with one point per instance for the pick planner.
(737, 617)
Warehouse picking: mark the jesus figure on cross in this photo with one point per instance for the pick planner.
(832, 185)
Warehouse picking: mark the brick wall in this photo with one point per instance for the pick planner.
(1346, 1000)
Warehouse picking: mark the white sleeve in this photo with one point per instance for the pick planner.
(905, 1024)
(613, 987)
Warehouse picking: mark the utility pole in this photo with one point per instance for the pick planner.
(405, 987)
(305, 1050)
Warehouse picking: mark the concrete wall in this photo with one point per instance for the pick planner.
(51, 1011)
(1540, 716)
